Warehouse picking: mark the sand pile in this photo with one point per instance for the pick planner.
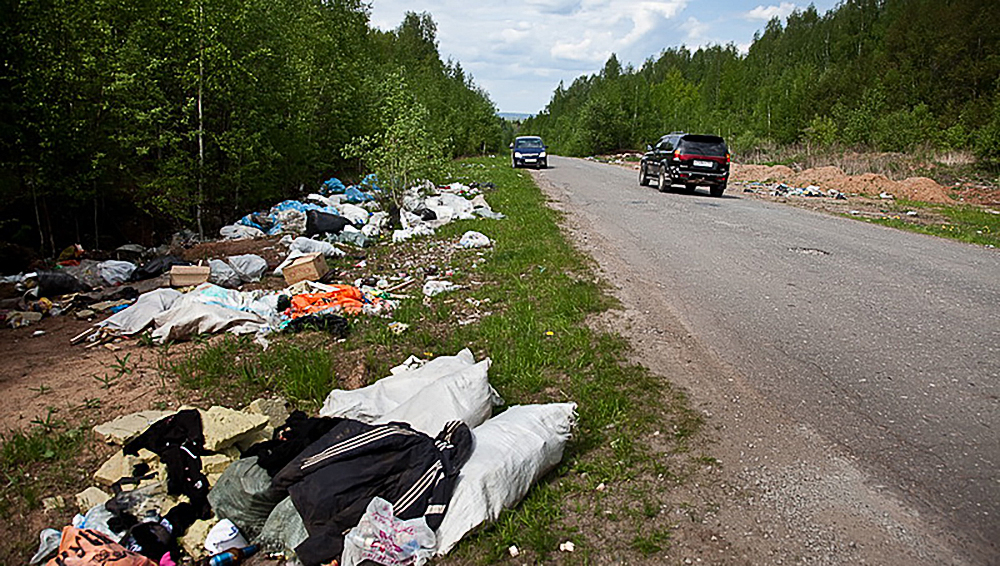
(826, 178)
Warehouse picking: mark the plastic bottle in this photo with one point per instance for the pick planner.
(231, 557)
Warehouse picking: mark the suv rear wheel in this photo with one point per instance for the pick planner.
(663, 181)
(717, 190)
(643, 179)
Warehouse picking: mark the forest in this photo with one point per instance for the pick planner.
(879, 75)
(123, 121)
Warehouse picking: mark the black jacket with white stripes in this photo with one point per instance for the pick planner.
(332, 481)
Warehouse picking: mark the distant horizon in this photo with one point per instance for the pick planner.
(516, 115)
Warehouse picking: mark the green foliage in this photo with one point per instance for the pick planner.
(888, 75)
(164, 113)
(402, 150)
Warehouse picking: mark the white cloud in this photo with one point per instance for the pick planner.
(765, 13)
(695, 31)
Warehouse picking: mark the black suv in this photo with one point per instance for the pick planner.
(689, 160)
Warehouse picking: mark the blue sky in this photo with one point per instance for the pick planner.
(520, 53)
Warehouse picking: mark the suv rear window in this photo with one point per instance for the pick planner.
(710, 146)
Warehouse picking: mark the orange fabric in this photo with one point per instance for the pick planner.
(345, 298)
(86, 547)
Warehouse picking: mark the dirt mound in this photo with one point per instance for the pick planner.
(826, 178)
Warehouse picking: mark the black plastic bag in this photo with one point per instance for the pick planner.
(318, 222)
(156, 267)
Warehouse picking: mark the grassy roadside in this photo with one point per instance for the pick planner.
(965, 223)
(525, 303)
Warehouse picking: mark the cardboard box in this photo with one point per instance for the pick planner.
(309, 267)
(187, 275)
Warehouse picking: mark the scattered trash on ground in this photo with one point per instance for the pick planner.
(376, 476)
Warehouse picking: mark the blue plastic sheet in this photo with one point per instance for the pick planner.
(333, 186)
(354, 195)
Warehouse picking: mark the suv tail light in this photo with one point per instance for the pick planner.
(677, 155)
(727, 158)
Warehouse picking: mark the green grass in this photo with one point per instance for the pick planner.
(964, 223)
(300, 371)
(25, 474)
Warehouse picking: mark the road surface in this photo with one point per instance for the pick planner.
(880, 345)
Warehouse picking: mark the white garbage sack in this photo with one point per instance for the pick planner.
(511, 452)
(190, 317)
(137, 317)
(222, 274)
(473, 239)
(412, 232)
(435, 287)
(309, 245)
(332, 201)
(385, 539)
(114, 272)
(292, 221)
(209, 309)
(376, 223)
(465, 395)
(461, 207)
(372, 402)
(354, 213)
(240, 232)
(249, 267)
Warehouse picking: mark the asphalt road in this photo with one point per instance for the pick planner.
(886, 343)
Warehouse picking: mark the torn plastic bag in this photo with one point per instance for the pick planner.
(222, 274)
(248, 267)
(156, 267)
(385, 539)
(137, 317)
(290, 221)
(97, 519)
(465, 396)
(84, 547)
(114, 272)
(86, 273)
(355, 195)
(435, 287)
(473, 239)
(354, 237)
(48, 543)
(333, 186)
(324, 223)
(240, 232)
(309, 245)
(53, 284)
(355, 214)
(243, 494)
(511, 452)
(378, 399)
(189, 317)
(283, 530)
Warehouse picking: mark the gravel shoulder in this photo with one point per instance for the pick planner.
(781, 494)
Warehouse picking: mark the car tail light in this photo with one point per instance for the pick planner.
(677, 155)
(727, 159)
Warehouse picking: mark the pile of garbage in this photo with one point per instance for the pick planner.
(313, 229)
(783, 190)
(395, 473)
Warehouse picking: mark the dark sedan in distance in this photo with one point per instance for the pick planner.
(528, 150)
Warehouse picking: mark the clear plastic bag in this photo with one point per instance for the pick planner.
(385, 539)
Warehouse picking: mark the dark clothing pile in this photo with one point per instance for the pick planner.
(332, 481)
